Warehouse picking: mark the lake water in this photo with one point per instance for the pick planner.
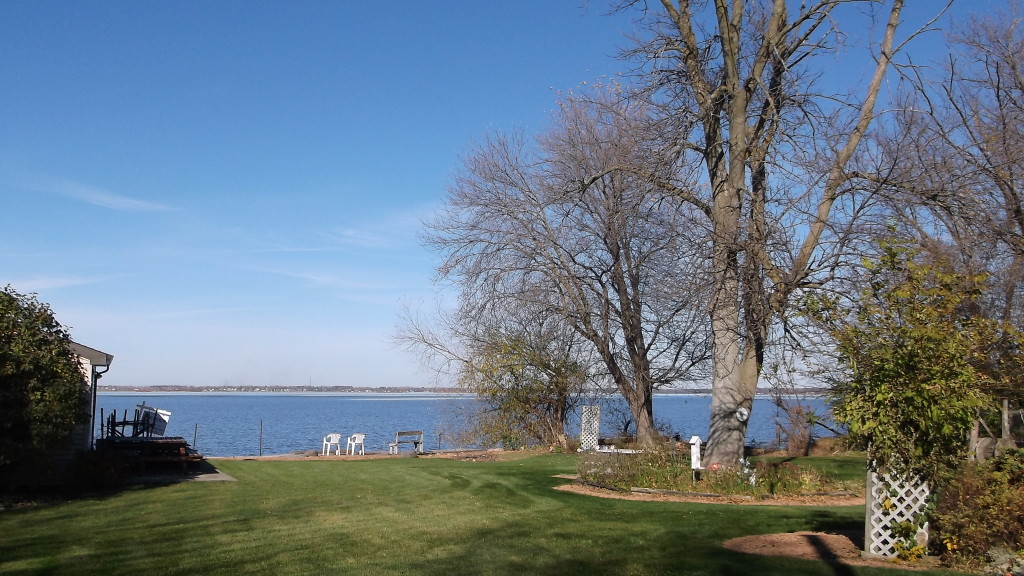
(248, 424)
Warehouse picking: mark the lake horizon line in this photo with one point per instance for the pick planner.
(406, 390)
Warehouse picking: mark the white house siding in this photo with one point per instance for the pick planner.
(81, 437)
(82, 434)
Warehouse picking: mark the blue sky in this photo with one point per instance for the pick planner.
(228, 193)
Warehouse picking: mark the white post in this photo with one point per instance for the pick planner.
(695, 466)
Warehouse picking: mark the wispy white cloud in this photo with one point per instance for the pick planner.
(360, 238)
(395, 230)
(324, 279)
(363, 288)
(204, 313)
(43, 283)
(99, 197)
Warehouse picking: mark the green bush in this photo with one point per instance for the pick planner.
(979, 517)
(41, 384)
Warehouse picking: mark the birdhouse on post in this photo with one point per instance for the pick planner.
(695, 457)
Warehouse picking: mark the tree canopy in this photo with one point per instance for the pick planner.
(557, 226)
(41, 382)
(676, 222)
(527, 388)
(916, 358)
(783, 196)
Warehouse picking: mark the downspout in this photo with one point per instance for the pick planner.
(96, 375)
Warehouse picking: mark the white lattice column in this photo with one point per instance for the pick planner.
(590, 427)
(891, 501)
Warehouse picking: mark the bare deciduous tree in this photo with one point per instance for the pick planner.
(961, 188)
(554, 227)
(734, 83)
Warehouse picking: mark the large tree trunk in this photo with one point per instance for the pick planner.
(732, 401)
(733, 381)
(735, 367)
(643, 414)
(639, 397)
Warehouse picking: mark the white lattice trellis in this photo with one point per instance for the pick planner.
(590, 427)
(891, 501)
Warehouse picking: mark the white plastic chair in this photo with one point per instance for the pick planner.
(354, 440)
(332, 440)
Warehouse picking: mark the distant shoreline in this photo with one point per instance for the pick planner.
(286, 389)
(392, 390)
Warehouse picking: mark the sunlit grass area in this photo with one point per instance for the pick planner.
(397, 516)
(842, 468)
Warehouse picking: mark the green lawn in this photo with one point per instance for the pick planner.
(851, 468)
(397, 516)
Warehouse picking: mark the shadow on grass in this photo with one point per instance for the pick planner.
(825, 521)
(84, 488)
(829, 557)
(616, 537)
(203, 471)
(672, 552)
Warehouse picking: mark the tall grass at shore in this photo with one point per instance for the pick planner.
(397, 516)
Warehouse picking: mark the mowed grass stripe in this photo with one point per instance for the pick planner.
(396, 516)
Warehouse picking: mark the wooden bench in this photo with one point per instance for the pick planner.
(414, 437)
